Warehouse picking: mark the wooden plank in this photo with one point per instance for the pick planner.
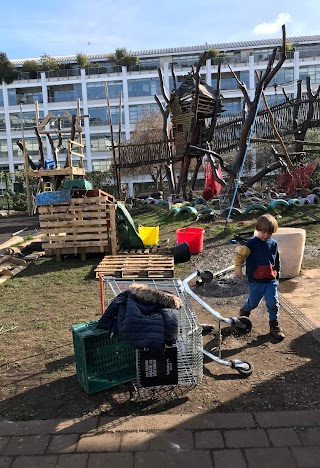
(113, 230)
(54, 172)
(74, 224)
(63, 230)
(57, 245)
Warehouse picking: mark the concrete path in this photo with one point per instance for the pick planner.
(243, 440)
(304, 293)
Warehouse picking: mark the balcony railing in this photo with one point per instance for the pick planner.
(69, 74)
(112, 70)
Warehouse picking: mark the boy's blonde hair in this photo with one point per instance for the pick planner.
(267, 223)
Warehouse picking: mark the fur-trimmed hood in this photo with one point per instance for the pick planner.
(145, 293)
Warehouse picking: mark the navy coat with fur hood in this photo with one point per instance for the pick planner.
(143, 316)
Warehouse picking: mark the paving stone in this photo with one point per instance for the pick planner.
(51, 426)
(74, 460)
(143, 423)
(275, 457)
(183, 421)
(174, 459)
(9, 428)
(309, 436)
(288, 418)
(134, 441)
(27, 445)
(172, 440)
(42, 461)
(307, 457)
(208, 439)
(77, 425)
(5, 462)
(286, 437)
(99, 443)
(229, 458)
(246, 438)
(64, 443)
(3, 442)
(220, 421)
(119, 460)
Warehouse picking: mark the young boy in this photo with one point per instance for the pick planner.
(260, 253)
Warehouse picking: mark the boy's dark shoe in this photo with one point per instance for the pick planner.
(244, 313)
(275, 330)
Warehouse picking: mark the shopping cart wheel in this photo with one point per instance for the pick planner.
(245, 324)
(245, 368)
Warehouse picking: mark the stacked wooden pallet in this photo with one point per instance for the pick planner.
(136, 266)
(82, 225)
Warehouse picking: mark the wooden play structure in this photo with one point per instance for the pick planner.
(51, 173)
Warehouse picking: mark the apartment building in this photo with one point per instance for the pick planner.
(60, 90)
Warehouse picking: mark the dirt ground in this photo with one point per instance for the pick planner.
(286, 375)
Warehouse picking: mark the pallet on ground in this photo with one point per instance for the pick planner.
(10, 266)
(136, 266)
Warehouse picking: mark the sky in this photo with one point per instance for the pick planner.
(67, 27)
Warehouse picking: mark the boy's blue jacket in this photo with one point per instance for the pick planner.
(262, 260)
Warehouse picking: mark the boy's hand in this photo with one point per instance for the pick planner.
(238, 273)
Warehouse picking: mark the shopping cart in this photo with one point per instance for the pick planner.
(189, 347)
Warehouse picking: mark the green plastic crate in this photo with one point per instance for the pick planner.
(101, 362)
(77, 184)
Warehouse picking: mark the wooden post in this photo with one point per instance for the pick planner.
(113, 230)
(27, 179)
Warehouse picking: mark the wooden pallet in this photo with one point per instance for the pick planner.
(80, 226)
(136, 266)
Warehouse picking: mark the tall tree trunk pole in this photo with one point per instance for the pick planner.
(112, 144)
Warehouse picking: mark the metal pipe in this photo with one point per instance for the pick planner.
(212, 311)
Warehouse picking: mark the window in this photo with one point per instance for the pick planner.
(232, 106)
(1, 98)
(65, 93)
(98, 90)
(103, 165)
(100, 116)
(2, 122)
(145, 87)
(3, 148)
(32, 146)
(284, 75)
(98, 143)
(29, 120)
(138, 111)
(313, 71)
(26, 95)
(65, 122)
(228, 82)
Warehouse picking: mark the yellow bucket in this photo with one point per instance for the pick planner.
(149, 234)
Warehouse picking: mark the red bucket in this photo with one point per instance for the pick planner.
(193, 237)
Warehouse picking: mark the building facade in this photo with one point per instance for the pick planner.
(60, 90)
